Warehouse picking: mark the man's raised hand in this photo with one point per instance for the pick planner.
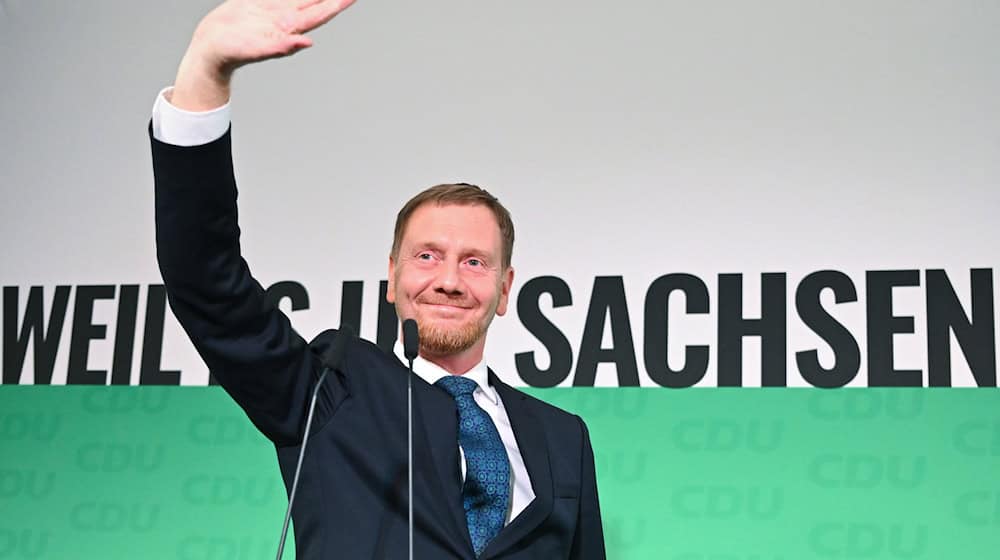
(240, 32)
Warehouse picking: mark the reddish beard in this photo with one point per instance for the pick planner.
(437, 341)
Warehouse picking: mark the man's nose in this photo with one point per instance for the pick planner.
(448, 279)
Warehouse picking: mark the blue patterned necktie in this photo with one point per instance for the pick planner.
(487, 474)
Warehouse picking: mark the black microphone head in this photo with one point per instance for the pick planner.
(411, 339)
(331, 358)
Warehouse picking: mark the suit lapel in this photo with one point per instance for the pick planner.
(534, 450)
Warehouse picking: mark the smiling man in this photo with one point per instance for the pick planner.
(449, 269)
(496, 473)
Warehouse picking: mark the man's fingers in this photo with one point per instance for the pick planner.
(285, 45)
(299, 42)
(317, 13)
(302, 4)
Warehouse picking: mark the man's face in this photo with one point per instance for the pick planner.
(448, 276)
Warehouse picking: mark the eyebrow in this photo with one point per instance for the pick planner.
(464, 252)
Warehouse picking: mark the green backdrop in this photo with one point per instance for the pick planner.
(702, 474)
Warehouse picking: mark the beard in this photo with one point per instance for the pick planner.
(446, 338)
(438, 341)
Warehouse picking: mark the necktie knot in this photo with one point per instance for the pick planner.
(457, 385)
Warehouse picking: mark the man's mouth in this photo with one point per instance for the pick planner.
(445, 305)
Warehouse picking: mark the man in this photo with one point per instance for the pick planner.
(497, 474)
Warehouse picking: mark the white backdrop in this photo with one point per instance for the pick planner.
(633, 139)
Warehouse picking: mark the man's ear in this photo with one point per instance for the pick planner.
(505, 284)
(390, 290)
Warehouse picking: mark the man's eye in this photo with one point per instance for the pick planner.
(475, 262)
(424, 256)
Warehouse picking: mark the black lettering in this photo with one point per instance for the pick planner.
(288, 289)
(46, 341)
(128, 308)
(555, 342)
(657, 332)
(152, 341)
(882, 325)
(388, 323)
(945, 314)
(771, 328)
(607, 302)
(846, 354)
(84, 330)
(351, 294)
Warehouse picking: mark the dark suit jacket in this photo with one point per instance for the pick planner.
(351, 502)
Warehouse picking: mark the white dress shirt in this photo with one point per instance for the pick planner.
(186, 128)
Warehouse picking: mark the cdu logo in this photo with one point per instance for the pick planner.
(722, 435)
(220, 430)
(23, 426)
(621, 403)
(978, 438)
(727, 502)
(199, 547)
(867, 471)
(625, 467)
(27, 543)
(217, 490)
(119, 457)
(868, 404)
(867, 540)
(94, 516)
(27, 484)
(979, 508)
(119, 400)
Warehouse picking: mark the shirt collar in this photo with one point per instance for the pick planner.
(431, 372)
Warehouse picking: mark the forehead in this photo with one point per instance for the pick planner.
(460, 225)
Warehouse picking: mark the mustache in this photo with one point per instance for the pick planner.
(444, 300)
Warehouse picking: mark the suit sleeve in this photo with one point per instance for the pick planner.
(588, 542)
(247, 343)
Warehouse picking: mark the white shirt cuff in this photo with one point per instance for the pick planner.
(187, 128)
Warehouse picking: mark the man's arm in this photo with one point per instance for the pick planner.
(588, 542)
(247, 343)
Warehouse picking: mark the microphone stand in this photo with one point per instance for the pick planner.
(411, 348)
(330, 360)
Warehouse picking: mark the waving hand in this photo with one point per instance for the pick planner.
(240, 32)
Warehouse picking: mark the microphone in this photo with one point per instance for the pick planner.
(330, 360)
(411, 348)
(411, 339)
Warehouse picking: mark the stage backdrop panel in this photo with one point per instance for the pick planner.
(766, 474)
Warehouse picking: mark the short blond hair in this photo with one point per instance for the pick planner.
(461, 194)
